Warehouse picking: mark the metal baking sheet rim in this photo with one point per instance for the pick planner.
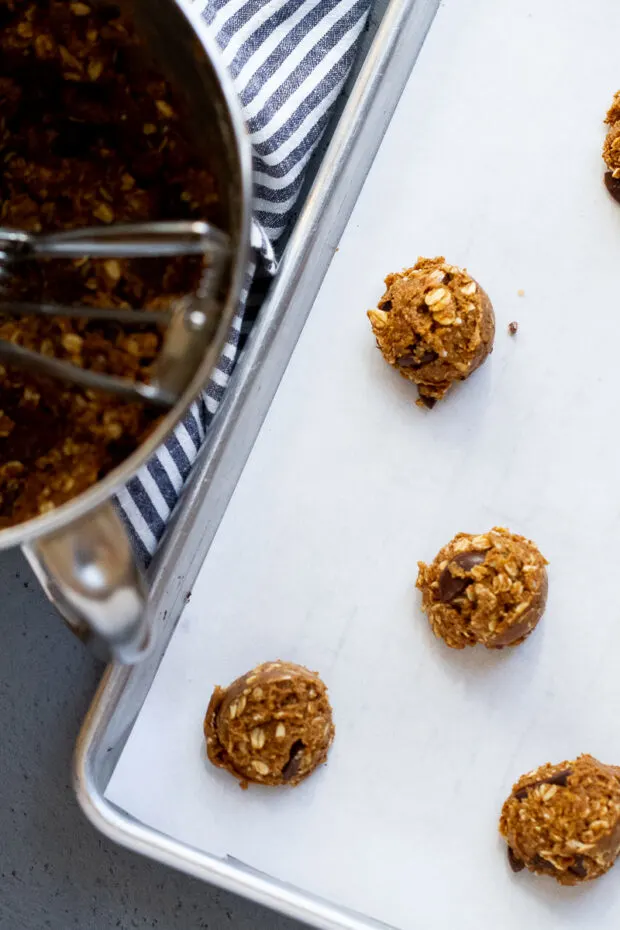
(122, 691)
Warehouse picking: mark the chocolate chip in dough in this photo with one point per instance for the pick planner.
(413, 360)
(560, 779)
(451, 586)
(291, 768)
(543, 865)
(578, 868)
(516, 864)
(613, 185)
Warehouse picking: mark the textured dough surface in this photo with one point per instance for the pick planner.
(564, 820)
(611, 148)
(435, 324)
(272, 726)
(489, 589)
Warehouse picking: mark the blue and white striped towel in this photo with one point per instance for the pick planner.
(289, 60)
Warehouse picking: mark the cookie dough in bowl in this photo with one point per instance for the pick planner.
(272, 726)
(435, 324)
(489, 589)
(564, 820)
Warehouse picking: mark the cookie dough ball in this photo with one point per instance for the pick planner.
(435, 324)
(272, 726)
(611, 149)
(564, 820)
(488, 589)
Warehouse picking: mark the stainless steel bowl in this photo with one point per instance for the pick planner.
(80, 552)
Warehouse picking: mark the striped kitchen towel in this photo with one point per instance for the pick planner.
(289, 60)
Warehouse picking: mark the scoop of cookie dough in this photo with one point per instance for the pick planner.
(272, 726)
(611, 149)
(435, 324)
(488, 589)
(564, 820)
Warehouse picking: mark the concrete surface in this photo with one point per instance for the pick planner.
(56, 871)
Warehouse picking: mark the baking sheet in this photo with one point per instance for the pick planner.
(492, 158)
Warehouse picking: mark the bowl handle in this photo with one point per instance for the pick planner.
(89, 573)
